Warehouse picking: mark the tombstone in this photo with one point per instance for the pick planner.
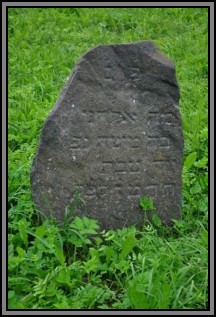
(114, 136)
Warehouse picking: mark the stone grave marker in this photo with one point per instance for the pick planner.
(114, 136)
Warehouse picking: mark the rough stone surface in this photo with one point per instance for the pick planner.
(115, 136)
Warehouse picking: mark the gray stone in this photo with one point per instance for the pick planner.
(114, 135)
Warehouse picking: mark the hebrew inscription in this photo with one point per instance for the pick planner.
(114, 136)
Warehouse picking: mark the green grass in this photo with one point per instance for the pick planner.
(76, 266)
